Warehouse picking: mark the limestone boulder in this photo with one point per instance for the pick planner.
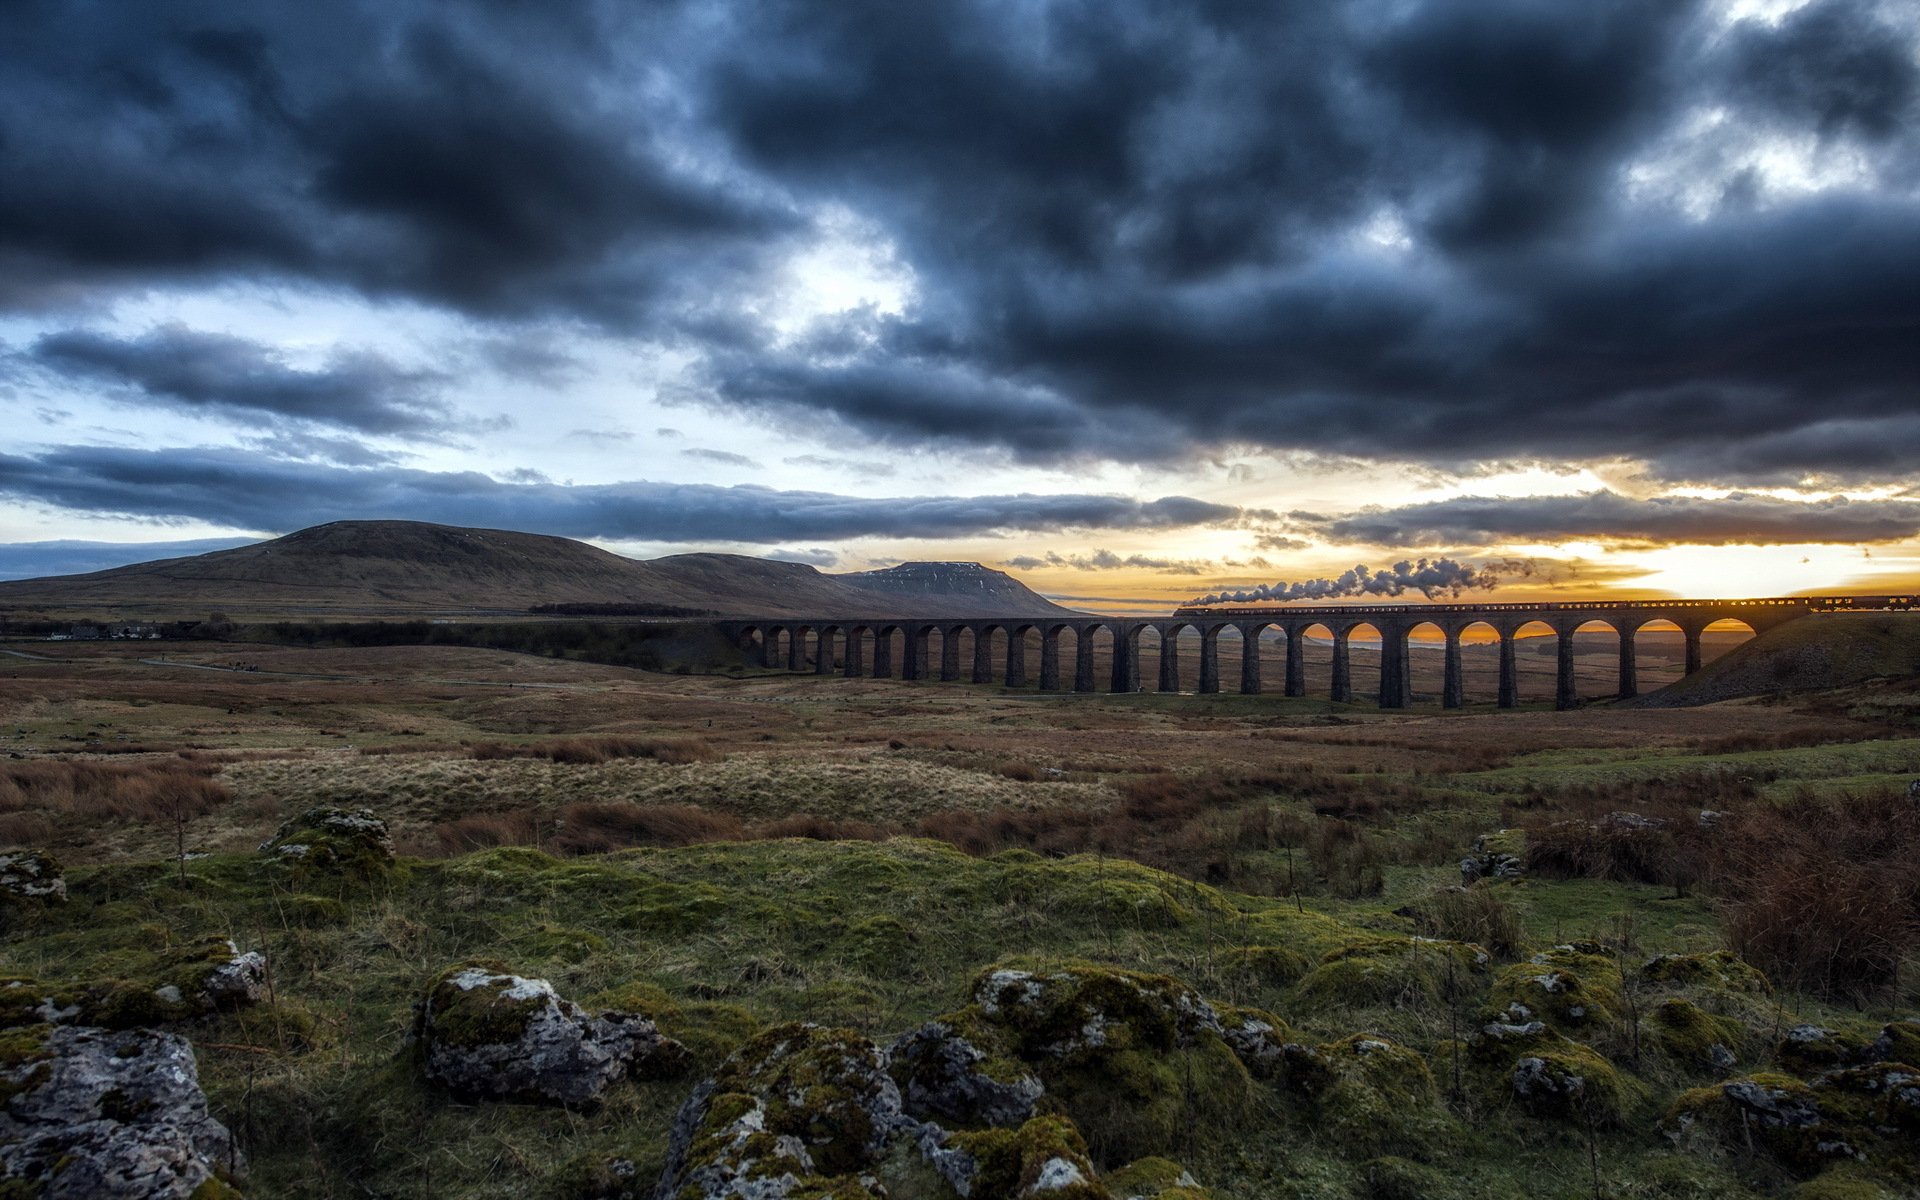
(488, 1033)
(33, 876)
(95, 1113)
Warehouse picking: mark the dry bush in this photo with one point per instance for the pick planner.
(822, 829)
(167, 790)
(1477, 914)
(1623, 847)
(25, 829)
(1823, 893)
(601, 828)
(1018, 771)
(484, 831)
(1346, 859)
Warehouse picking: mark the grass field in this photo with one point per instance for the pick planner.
(726, 852)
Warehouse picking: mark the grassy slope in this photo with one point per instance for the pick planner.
(1824, 651)
(717, 939)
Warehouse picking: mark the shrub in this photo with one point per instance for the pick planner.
(1478, 914)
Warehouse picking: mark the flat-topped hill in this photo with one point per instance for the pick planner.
(383, 568)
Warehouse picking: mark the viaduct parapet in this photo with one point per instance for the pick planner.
(829, 645)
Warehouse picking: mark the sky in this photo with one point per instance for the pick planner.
(1138, 301)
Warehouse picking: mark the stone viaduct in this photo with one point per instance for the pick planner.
(825, 645)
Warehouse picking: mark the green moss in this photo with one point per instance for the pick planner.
(1370, 1096)
(557, 943)
(817, 1085)
(483, 1015)
(1394, 1178)
(1810, 1049)
(1545, 1074)
(1570, 989)
(23, 1059)
(214, 1188)
(1691, 1039)
(1010, 1160)
(883, 945)
(1844, 1183)
(1146, 1179)
(1271, 966)
(1717, 970)
(1416, 973)
(1771, 1112)
(27, 1001)
(1898, 1041)
(328, 842)
(673, 908)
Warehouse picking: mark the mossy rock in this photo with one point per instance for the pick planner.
(31, 877)
(1044, 1157)
(187, 981)
(1574, 991)
(328, 841)
(1691, 1039)
(1369, 1095)
(1257, 1037)
(1153, 1179)
(27, 1001)
(1809, 1049)
(1881, 1097)
(1717, 970)
(1898, 1041)
(961, 1071)
(1548, 1075)
(1132, 1057)
(827, 1088)
(1772, 1112)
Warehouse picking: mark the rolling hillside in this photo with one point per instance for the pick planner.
(1825, 651)
(391, 568)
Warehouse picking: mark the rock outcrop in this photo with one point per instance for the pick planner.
(95, 1113)
(486, 1032)
(332, 841)
(32, 875)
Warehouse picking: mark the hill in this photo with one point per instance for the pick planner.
(1824, 651)
(393, 568)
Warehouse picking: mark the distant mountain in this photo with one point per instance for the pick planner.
(995, 591)
(402, 568)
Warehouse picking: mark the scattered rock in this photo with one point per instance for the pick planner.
(210, 975)
(1808, 1049)
(488, 1033)
(94, 1113)
(1494, 856)
(1717, 970)
(32, 875)
(328, 840)
(945, 1075)
(1571, 988)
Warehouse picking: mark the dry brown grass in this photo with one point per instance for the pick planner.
(1823, 893)
(583, 751)
(88, 789)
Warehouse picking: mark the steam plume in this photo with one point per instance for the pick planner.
(1432, 578)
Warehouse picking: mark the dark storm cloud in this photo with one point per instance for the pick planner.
(1416, 230)
(248, 491)
(190, 371)
(1136, 233)
(490, 161)
(1737, 519)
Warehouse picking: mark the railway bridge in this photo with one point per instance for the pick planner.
(827, 645)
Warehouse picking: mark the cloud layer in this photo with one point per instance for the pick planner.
(247, 491)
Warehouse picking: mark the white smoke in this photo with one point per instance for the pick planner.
(1433, 578)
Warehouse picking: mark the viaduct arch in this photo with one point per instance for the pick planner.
(840, 642)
